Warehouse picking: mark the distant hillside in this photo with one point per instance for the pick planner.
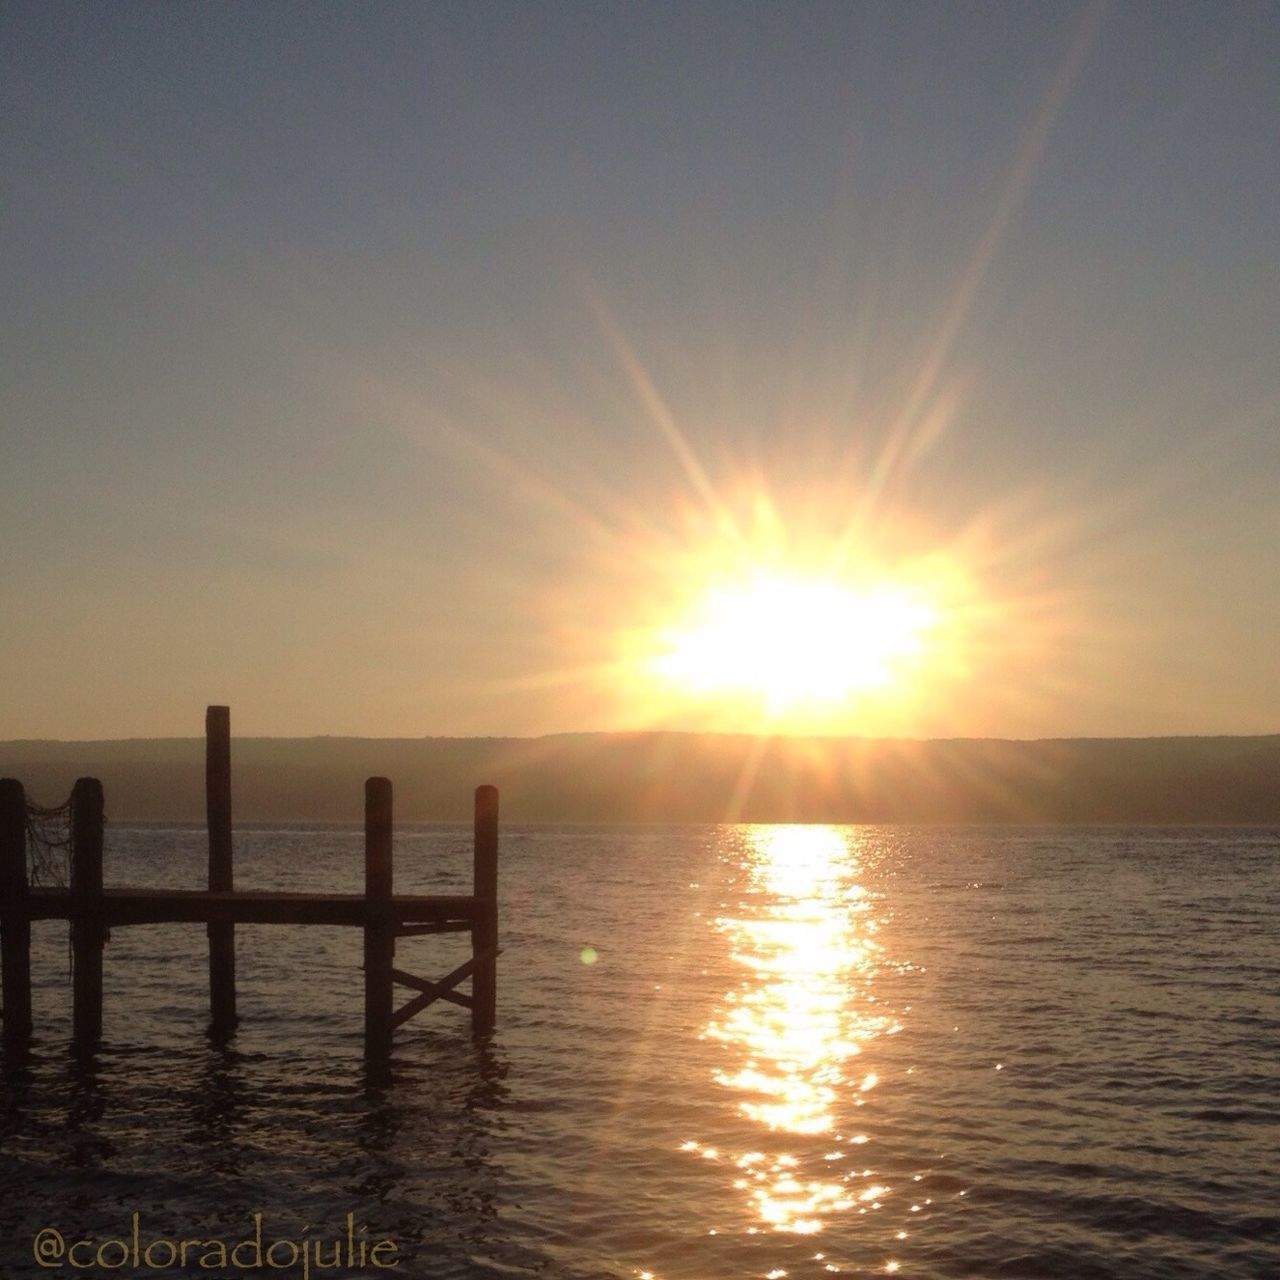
(676, 777)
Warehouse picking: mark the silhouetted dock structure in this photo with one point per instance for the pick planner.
(384, 915)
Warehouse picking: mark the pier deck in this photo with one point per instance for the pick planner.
(239, 906)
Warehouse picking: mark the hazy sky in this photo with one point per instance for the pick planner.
(399, 368)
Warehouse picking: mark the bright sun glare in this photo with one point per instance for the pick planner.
(795, 642)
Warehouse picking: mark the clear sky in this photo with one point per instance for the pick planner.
(405, 369)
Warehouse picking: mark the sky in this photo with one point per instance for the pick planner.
(492, 368)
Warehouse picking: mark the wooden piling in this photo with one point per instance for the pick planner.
(379, 931)
(88, 929)
(222, 936)
(484, 932)
(15, 918)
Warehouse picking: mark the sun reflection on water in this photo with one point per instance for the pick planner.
(792, 1031)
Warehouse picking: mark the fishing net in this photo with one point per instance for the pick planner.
(49, 845)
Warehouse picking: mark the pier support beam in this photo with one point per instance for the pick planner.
(15, 918)
(484, 932)
(379, 927)
(222, 937)
(88, 928)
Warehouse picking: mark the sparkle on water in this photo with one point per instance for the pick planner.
(793, 1028)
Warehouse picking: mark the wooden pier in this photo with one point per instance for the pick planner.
(385, 916)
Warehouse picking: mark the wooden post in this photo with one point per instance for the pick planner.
(222, 936)
(15, 918)
(88, 930)
(379, 933)
(484, 932)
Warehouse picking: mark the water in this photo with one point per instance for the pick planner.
(722, 1052)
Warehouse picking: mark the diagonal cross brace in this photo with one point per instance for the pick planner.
(433, 991)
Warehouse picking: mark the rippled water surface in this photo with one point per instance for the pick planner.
(722, 1052)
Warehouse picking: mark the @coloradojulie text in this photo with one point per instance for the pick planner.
(310, 1251)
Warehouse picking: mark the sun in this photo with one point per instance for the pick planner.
(794, 643)
(740, 619)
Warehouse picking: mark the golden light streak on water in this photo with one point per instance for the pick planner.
(791, 1032)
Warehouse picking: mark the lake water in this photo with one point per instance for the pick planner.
(722, 1052)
